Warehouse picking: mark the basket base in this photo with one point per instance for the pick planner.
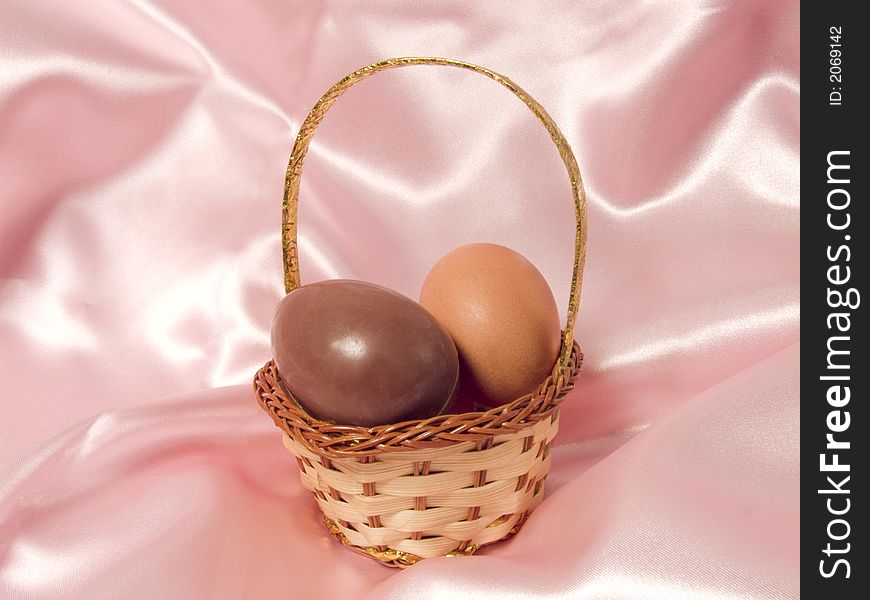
(403, 560)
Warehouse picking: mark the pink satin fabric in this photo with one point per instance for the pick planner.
(142, 153)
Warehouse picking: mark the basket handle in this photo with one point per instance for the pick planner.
(306, 133)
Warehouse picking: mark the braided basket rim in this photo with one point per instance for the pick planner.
(352, 441)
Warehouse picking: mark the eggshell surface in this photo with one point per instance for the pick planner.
(502, 316)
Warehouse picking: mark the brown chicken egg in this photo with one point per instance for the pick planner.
(502, 317)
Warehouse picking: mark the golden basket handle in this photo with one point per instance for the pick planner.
(306, 132)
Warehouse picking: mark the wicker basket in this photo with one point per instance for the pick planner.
(442, 486)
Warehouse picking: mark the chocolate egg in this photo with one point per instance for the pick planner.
(355, 353)
(502, 317)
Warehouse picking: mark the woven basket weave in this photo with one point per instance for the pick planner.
(442, 486)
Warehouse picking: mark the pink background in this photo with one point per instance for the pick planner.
(142, 152)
